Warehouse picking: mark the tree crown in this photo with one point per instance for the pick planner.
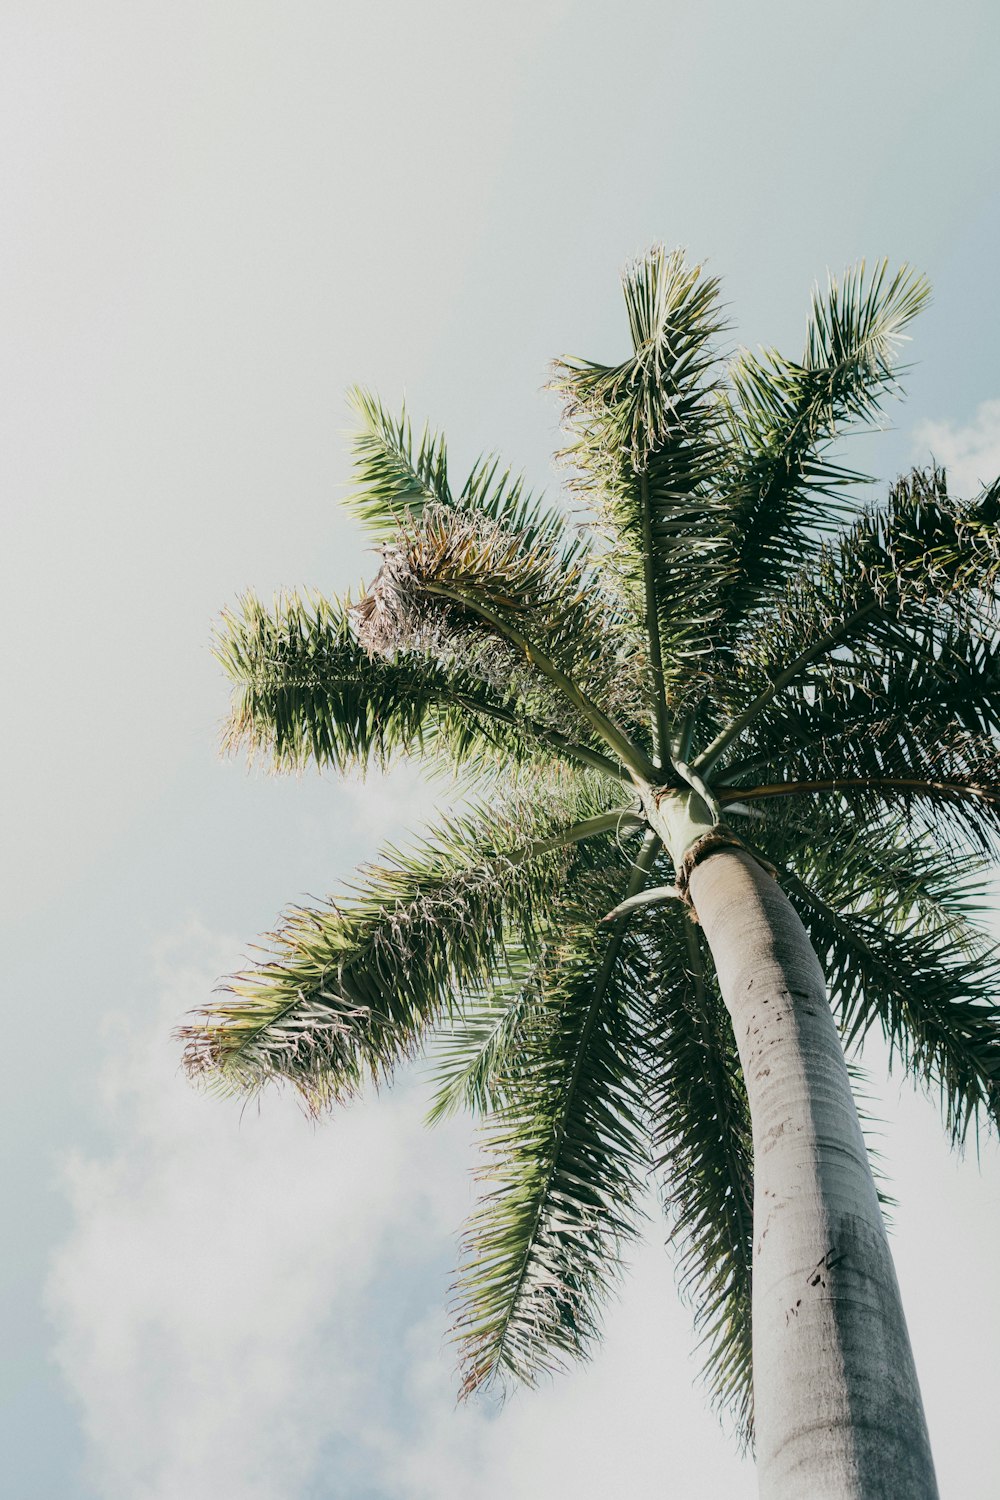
(734, 634)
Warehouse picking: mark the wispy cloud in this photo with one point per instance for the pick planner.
(211, 1297)
(970, 453)
(251, 1308)
(632, 1422)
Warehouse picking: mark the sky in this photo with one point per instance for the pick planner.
(216, 218)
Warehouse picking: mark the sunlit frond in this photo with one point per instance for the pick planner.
(307, 690)
(782, 415)
(645, 442)
(350, 987)
(516, 613)
(477, 1050)
(398, 478)
(565, 1151)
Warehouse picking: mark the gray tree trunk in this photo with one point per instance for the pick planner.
(837, 1406)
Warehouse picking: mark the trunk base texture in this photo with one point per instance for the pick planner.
(838, 1413)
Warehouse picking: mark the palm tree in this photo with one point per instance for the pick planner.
(737, 733)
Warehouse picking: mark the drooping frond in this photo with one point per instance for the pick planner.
(702, 1142)
(565, 1149)
(515, 611)
(349, 988)
(476, 1051)
(307, 690)
(930, 993)
(645, 440)
(900, 582)
(916, 725)
(782, 415)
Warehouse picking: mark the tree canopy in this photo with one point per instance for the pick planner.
(717, 610)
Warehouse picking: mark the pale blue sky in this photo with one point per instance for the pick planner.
(217, 216)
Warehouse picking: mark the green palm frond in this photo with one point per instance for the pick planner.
(475, 1052)
(307, 690)
(566, 1147)
(350, 988)
(645, 440)
(905, 574)
(702, 1142)
(399, 479)
(903, 694)
(961, 812)
(519, 612)
(901, 872)
(912, 719)
(631, 410)
(782, 415)
(396, 477)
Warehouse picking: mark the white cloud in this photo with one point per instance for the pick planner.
(247, 1303)
(631, 1422)
(396, 805)
(971, 454)
(208, 1303)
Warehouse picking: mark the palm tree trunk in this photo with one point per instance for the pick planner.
(838, 1413)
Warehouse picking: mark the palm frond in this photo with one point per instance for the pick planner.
(911, 718)
(704, 1154)
(645, 442)
(782, 415)
(904, 579)
(398, 479)
(566, 1151)
(476, 1051)
(958, 813)
(349, 988)
(307, 690)
(473, 1054)
(518, 612)
(933, 682)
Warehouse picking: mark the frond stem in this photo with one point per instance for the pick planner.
(588, 828)
(558, 742)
